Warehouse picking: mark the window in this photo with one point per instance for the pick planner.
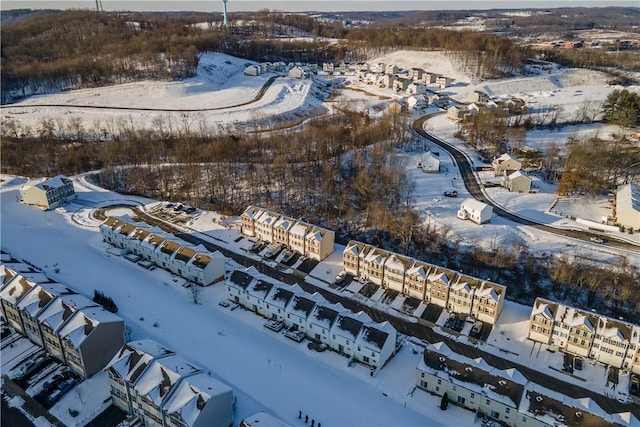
(439, 381)
(461, 400)
(473, 395)
(488, 402)
(507, 410)
(437, 388)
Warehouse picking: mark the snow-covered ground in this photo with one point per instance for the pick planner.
(267, 371)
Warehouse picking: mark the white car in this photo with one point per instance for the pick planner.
(597, 240)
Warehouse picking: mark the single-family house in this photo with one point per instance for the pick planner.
(443, 82)
(328, 67)
(379, 67)
(343, 68)
(478, 96)
(297, 73)
(476, 211)
(440, 100)
(429, 163)
(416, 88)
(415, 73)
(516, 106)
(279, 66)
(628, 206)
(391, 69)
(90, 338)
(505, 163)
(429, 78)
(457, 113)
(386, 81)
(252, 70)
(375, 344)
(265, 67)
(517, 182)
(401, 84)
(417, 102)
(48, 194)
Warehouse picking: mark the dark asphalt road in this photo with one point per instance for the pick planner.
(418, 330)
(473, 187)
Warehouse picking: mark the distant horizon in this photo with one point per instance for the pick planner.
(215, 6)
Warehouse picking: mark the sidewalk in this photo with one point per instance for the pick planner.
(30, 406)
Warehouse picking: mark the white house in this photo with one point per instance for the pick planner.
(379, 67)
(443, 82)
(391, 69)
(252, 70)
(517, 182)
(429, 78)
(386, 81)
(415, 73)
(505, 163)
(429, 163)
(48, 194)
(278, 299)
(401, 84)
(416, 89)
(476, 211)
(299, 309)
(628, 206)
(321, 320)
(345, 332)
(328, 67)
(417, 102)
(297, 73)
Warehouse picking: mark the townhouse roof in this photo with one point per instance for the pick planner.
(284, 223)
(355, 248)
(141, 233)
(62, 308)
(251, 211)
(611, 328)
(377, 255)
(155, 239)
(192, 394)
(83, 322)
(16, 289)
(418, 268)
(396, 262)
(169, 247)
(325, 315)
(350, 325)
(132, 359)
(316, 233)
(184, 253)
(302, 305)
(112, 222)
(440, 275)
(53, 183)
(126, 228)
(490, 290)
(300, 228)
(545, 307)
(268, 217)
(161, 375)
(241, 278)
(281, 294)
(506, 386)
(41, 295)
(375, 335)
(261, 287)
(575, 317)
(554, 408)
(201, 260)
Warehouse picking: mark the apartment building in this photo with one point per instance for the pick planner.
(306, 239)
(456, 292)
(194, 263)
(354, 335)
(586, 333)
(48, 194)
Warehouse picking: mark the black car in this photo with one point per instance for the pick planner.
(453, 193)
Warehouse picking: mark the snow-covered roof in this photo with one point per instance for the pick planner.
(300, 229)
(324, 314)
(376, 255)
(504, 157)
(418, 268)
(134, 356)
(83, 322)
(16, 289)
(376, 334)
(192, 394)
(62, 308)
(396, 262)
(53, 183)
(284, 223)
(517, 174)
(262, 419)
(474, 205)
(628, 198)
(542, 307)
(161, 376)
(41, 295)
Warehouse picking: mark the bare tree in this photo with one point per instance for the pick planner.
(195, 292)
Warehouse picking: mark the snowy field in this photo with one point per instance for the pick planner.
(266, 370)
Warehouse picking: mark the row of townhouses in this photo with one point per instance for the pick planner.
(194, 263)
(70, 327)
(456, 292)
(312, 241)
(162, 389)
(48, 194)
(586, 333)
(352, 334)
(506, 395)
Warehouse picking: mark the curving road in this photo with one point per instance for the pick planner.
(475, 189)
(256, 98)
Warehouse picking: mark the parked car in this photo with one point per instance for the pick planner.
(595, 239)
(31, 366)
(340, 277)
(450, 321)
(223, 303)
(453, 193)
(287, 256)
(476, 329)
(577, 364)
(635, 385)
(61, 390)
